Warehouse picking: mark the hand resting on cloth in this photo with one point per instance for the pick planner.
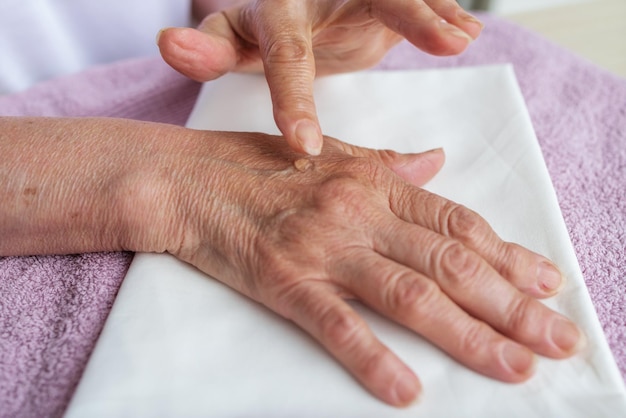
(298, 236)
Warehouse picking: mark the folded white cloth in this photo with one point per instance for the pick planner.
(178, 343)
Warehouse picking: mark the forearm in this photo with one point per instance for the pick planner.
(77, 185)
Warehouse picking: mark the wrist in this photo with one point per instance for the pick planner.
(150, 196)
(85, 185)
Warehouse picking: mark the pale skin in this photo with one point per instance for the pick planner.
(254, 212)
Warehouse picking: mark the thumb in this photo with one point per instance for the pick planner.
(415, 168)
(418, 169)
(201, 54)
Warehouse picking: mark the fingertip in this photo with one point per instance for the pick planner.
(441, 38)
(406, 390)
(453, 39)
(469, 23)
(519, 361)
(159, 33)
(418, 169)
(567, 337)
(436, 156)
(390, 380)
(550, 278)
(308, 137)
(197, 55)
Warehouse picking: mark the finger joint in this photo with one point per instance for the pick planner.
(288, 50)
(341, 329)
(410, 295)
(474, 339)
(519, 318)
(463, 223)
(460, 266)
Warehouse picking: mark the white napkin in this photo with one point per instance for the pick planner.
(180, 344)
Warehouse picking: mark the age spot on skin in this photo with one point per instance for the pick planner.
(28, 195)
(30, 191)
(303, 164)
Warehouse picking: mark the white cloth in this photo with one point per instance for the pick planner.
(41, 39)
(178, 343)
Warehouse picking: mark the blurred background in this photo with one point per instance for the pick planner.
(593, 29)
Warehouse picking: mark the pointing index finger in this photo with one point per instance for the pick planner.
(287, 53)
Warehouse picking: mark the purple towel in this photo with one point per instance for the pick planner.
(53, 308)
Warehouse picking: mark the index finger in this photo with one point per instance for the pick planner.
(287, 53)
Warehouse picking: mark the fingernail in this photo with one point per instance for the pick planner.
(462, 14)
(433, 151)
(454, 31)
(309, 137)
(550, 278)
(158, 35)
(406, 389)
(402, 160)
(519, 359)
(567, 336)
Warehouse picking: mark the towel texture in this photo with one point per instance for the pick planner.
(53, 308)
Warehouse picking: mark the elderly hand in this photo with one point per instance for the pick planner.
(298, 234)
(293, 40)
(301, 235)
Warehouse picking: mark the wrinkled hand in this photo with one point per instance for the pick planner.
(293, 40)
(302, 234)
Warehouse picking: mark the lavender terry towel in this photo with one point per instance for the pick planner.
(53, 308)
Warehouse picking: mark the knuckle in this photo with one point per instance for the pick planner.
(474, 339)
(460, 266)
(412, 295)
(351, 195)
(348, 183)
(288, 299)
(341, 329)
(462, 222)
(386, 156)
(369, 367)
(520, 319)
(512, 263)
(338, 189)
(287, 50)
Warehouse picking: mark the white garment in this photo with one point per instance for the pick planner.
(41, 39)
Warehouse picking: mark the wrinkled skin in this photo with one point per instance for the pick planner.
(345, 226)
(299, 236)
(295, 40)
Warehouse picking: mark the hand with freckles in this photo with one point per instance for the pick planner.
(293, 41)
